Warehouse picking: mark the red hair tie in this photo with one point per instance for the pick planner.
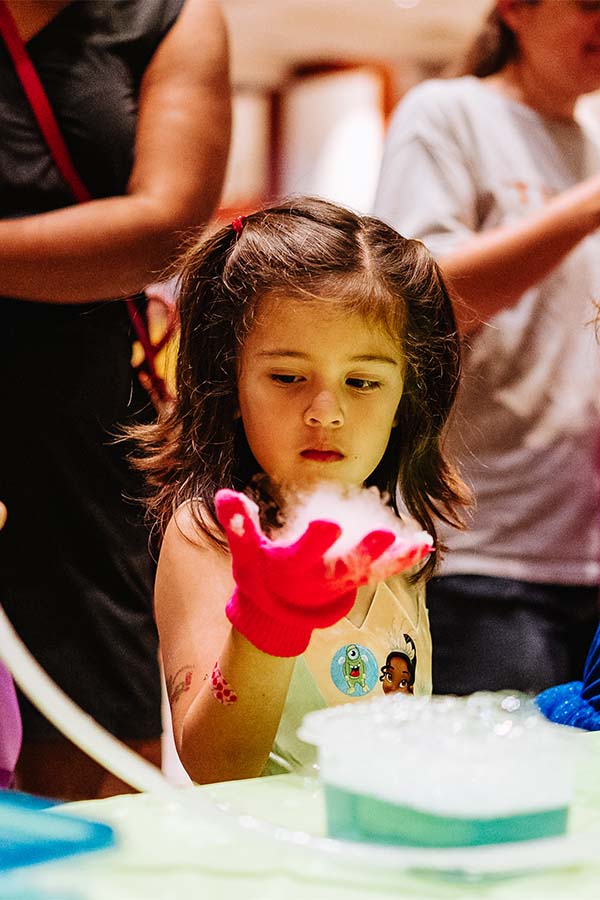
(238, 224)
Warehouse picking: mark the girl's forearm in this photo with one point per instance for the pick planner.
(222, 738)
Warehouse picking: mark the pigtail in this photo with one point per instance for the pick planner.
(415, 461)
(430, 484)
(174, 452)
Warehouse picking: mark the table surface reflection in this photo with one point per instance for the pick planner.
(190, 848)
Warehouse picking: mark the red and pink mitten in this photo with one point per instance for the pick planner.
(286, 589)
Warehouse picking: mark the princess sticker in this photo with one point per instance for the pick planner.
(398, 673)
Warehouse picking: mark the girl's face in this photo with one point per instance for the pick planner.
(318, 392)
(559, 42)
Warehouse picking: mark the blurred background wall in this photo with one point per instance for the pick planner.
(315, 81)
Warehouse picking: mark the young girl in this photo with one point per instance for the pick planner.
(317, 346)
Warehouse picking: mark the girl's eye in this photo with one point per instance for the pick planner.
(363, 384)
(285, 379)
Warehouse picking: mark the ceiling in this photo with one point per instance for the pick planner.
(269, 38)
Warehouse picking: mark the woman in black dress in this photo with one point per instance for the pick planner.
(140, 92)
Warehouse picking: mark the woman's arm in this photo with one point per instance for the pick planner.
(493, 269)
(112, 247)
(216, 740)
(429, 188)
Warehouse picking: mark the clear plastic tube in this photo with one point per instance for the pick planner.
(75, 724)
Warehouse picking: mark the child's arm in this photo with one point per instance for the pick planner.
(216, 740)
(230, 626)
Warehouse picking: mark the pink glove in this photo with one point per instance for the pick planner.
(283, 591)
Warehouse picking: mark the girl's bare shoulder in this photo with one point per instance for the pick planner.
(192, 524)
(192, 547)
(192, 567)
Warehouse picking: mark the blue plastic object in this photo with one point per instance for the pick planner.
(32, 832)
(576, 703)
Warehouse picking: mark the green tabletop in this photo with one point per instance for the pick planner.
(187, 848)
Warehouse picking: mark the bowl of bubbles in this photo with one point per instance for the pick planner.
(443, 771)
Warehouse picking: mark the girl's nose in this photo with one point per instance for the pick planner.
(324, 411)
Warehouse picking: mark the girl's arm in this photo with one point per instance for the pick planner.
(493, 269)
(114, 246)
(226, 695)
(217, 739)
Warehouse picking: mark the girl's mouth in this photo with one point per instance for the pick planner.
(322, 455)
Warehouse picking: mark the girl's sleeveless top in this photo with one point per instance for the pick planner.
(346, 663)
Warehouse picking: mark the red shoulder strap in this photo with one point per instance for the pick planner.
(39, 104)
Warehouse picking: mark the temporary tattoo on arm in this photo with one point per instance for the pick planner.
(220, 688)
(179, 683)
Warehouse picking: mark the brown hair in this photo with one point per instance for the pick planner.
(494, 46)
(304, 248)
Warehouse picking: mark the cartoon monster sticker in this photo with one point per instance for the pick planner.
(398, 673)
(353, 669)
